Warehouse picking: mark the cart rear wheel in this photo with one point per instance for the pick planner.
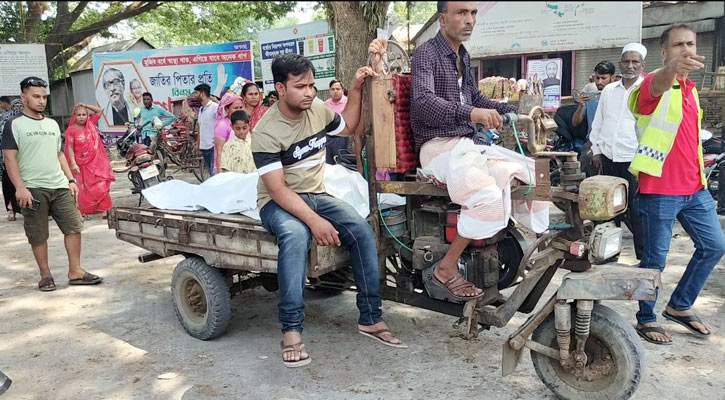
(615, 360)
(201, 298)
(200, 172)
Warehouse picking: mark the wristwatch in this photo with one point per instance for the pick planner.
(71, 181)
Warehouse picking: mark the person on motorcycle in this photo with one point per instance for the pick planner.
(149, 111)
(672, 183)
(613, 137)
(288, 147)
(445, 106)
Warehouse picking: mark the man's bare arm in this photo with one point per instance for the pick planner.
(663, 79)
(22, 193)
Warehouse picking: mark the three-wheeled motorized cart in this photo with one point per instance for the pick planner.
(580, 348)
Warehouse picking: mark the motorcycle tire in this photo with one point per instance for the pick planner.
(615, 359)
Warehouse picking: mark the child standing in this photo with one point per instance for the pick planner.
(237, 152)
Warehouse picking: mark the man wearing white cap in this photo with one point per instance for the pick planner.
(613, 135)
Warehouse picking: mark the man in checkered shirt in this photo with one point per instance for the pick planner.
(445, 108)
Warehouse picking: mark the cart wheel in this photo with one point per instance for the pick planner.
(201, 298)
(615, 360)
(200, 172)
(510, 255)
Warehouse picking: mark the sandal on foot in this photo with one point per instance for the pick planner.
(456, 286)
(88, 279)
(294, 348)
(46, 285)
(642, 332)
(378, 336)
(11, 217)
(686, 321)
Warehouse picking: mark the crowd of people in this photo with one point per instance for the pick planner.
(643, 128)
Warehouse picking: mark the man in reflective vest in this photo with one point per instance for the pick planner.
(669, 165)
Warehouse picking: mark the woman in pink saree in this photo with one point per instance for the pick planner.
(88, 161)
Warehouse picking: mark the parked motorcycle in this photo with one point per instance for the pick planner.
(714, 159)
(143, 167)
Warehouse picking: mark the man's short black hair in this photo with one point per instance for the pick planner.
(604, 68)
(4, 99)
(273, 93)
(203, 88)
(32, 81)
(290, 64)
(665, 37)
(240, 115)
(147, 94)
(442, 7)
(334, 81)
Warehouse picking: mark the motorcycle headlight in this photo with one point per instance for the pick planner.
(605, 242)
(602, 197)
(620, 198)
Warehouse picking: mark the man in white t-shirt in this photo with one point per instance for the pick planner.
(207, 116)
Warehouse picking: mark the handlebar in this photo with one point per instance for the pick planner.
(536, 125)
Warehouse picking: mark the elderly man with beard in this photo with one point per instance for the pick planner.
(613, 137)
(117, 111)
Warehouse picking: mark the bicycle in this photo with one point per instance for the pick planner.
(179, 146)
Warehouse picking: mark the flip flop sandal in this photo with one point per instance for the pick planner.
(298, 348)
(46, 285)
(642, 332)
(686, 320)
(455, 284)
(378, 336)
(88, 279)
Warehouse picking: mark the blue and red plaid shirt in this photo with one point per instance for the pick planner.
(436, 108)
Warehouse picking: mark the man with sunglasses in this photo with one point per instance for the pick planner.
(31, 145)
(117, 111)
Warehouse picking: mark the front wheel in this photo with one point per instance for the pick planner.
(201, 298)
(615, 359)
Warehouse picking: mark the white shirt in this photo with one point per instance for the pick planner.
(613, 133)
(207, 117)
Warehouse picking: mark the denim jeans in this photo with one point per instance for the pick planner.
(697, 215)
(294, 238)
(208, 155)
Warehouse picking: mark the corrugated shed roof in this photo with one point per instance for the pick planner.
(86, 62)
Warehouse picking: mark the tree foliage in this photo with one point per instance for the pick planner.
(193, 23)
(420, 12)
(68, 27)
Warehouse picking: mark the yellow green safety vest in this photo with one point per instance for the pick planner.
(656, 132)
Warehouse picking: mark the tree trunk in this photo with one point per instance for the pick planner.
(32, 23)
(352, 36)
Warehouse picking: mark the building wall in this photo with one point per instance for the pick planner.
(711, 103)
(587, 59)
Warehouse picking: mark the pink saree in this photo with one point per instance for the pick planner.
(94, 180)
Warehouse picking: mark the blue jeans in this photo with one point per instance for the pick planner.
(697, 215)
(208, 155)
(294, 238)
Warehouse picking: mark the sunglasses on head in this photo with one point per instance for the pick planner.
(32, 82)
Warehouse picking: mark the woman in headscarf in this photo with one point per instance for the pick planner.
(253, 104)
(88, 161)
(135, 95)
(11, 203)
(229, 103)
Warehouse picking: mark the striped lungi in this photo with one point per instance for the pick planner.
(479, 180)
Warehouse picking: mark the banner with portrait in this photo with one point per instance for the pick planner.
(549, 73)
(168, 74)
